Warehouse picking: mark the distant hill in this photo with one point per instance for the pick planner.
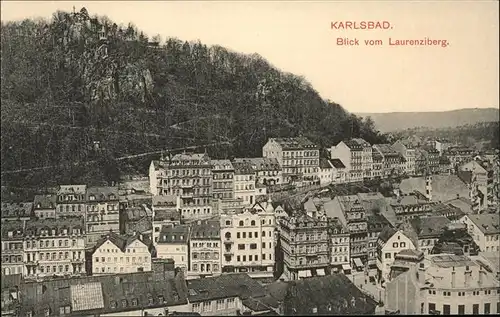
(394, 121)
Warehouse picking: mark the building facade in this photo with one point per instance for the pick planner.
(223, 179)
(205, 248)
(389, 244)
(166, 212)
(71, 201)
(298, 158)
(409, 154)
(244, 182)
(115, 254)
(173, 243)
(12, 247)
(102, 213)
(44, 206)
(340, 256)
(351, 154)
(305, 246)
(249, 242)
(485, 230)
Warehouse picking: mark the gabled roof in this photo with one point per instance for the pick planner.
(243, 168)
(337, 163)
(104, 193)
(261, 163)
(329, 295)
(487, 223)
(429, 226)
(45, 201)
(72, 189)
(205, 229)
(191, 157)
(224, 286)
(386, 234)
(324, 164)
(35, 226)
(176, 234)
(220, 165)
(120, 241)
(297, 143)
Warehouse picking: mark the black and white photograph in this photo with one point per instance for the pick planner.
(250, 158)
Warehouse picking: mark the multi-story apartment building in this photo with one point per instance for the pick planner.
(485, 230)
(409, 154)
(378, 164)
(375, 222)
(249, 242)
(54, 247)
(205, 248)
(426, 231)
(325, 172)
(305, 246)
(442, 145)
(244, 183)
(102, 214)
(338, 235)
(366, 158)
(445, 284)
(71, 201)
(12, 247)
(410, 207)
(351, 153)
(173, 244)
(394, 162)
(44, 206)
(298, 158)
(459, 155)
(354, 213)
(166, 212)
(339, 171)
(188, 176)
(478, 172)
(389, 243)
(223, 180)
(115, 254)
(426, 161)
(268, 170)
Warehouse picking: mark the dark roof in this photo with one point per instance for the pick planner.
(35, 226)
(136, 213)
(261, 163)
(176, 234)
(11, 280)
(14, 226)
(104, 294)
(243, 168)
(205, 229)
(223, 286)
(45, 201)
(72, 189)
(331, 295)
(221, 165)
(465, 176)
(337, 163)
(105, 193)
(353, 145)
(387, 149)
(164, 201)
(121, 241)
(324, 164)
(297, 143)
(386, 234)
(448, 210)
(377, 222)
(15, 210)
(487, 223)
(429, 226)
(163, 214)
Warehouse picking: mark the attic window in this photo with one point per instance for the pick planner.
(124, 302)
(135, 302)
(91, 197)
(151, 300)
(113, 304)
(161, 299)
(315, 310)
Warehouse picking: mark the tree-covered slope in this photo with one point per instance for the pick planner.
(81, 93)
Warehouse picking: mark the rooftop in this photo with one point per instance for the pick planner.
(487, 223)
(429, 226)
(221, 165)
(176, 234)
(121, 241)
(297, 143)
(224, 286)
(45, 201)
(444, 187)
(324, 163)
(243, 168)
(36, 226)
(337, 163)
(104, 193)
(15, 210)
(261, 163)
(451, 260)
(72, 189)
(205, 229)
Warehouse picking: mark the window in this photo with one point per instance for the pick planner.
(241, 247)
(387, 255)
(446, 309)
(432, 307)
(230, 303)
(241, 223)
(461, 309)
(487, 308)
(237, 235)
(253, 246)
(220, 304)
(475, 309)
(207, 306)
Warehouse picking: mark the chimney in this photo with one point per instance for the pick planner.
(421, 273)
(453, 278)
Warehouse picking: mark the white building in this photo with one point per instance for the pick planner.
(325, 172)
(120, 254)
(166, 212)
(54, 247)
(389, 243)
(174, 244)
(339, 171)
(409, 154)
(249, 241)
(485, 230)
(352, 154)
(244, 182)
(102, 213)
(45, 206)
(298, 158)
(205, 248)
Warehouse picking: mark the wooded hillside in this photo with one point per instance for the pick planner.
(80, 93)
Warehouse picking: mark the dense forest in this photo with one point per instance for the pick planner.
(91, 100)
(485, 135)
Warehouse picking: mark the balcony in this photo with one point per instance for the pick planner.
(227, 241)
(187, 186)
(77, 260)
(228, 252)
(32, 262)
(187, 195)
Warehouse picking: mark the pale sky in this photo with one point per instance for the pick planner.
(296, 37)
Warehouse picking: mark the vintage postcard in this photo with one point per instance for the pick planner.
(229, 158)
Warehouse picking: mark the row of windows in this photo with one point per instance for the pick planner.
(463, 294)
(244, 187)
(107, 269)
(221, 304)
(339, 259)
(254, 257)
(223, 185)
(12, 259)
(205, 267)
(205, 244)
(205, 255)
(68, 208)
(127, 259)
(189, 172)
(244, 177)
(300, 153)
(461, 309)
(53, 256)
(223, 175)
(95, 208)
